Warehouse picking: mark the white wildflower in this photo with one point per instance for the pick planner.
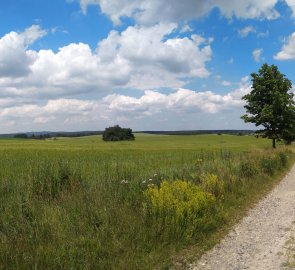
(124, 181)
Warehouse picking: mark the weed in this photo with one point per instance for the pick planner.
(247, 169)
(180, 207)
(210, 183)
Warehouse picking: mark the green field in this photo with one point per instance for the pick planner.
(142, 142)
(82, 203)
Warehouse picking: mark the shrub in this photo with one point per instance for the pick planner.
(283, 159)
(247, 169)
(269, 164)
(210, 183)
(21, 136)
(181, 207)
(116, 133)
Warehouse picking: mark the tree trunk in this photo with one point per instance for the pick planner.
(273, 143)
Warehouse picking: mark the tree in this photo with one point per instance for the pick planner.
(270, 104)
(21, 136)
(116, 133)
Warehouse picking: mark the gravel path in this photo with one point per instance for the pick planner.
(261, 240)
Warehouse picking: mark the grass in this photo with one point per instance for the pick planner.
(143, 142)
(81, 203)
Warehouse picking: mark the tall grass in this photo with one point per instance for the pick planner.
(124, 209)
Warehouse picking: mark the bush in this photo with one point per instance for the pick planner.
(21, 136)
(247, 169)
(210, 183)
(283, 159)
(269, 165)
(116, 133)
(180, 207)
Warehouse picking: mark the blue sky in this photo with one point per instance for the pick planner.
(149, 65)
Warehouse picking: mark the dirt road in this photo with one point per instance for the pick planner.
(264, 239)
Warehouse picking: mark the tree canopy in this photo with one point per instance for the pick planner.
(116, 133)
(270, 104)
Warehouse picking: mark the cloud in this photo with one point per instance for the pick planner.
(60, 109)
(149, 12)
(15, 58)
(221, 81)
(263, 34)
(291, 4)
(117, 108)
(248, 9)
(156, 11)
(244, 32)
(85, 3)
(182, 100)
(288, 50)
(139, 57)
(185, 28)
(257, 54)
(225, 83)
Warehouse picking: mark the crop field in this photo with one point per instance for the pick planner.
(82, 203)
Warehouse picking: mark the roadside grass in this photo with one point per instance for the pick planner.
(237, 204)
(159, 201)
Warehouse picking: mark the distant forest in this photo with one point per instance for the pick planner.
(199, 132)
(49, 134)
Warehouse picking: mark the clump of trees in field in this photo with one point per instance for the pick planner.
(116, 133)
(270, 104)
(21, 136)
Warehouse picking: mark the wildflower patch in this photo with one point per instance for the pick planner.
(180, 208)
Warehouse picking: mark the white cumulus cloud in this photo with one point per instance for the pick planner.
(15, 58)
(62, 113)
(244, 32)
(155, 11)
(182, 100)
(291, 4)
(257, 54)
(225, 83)
(248, 9)
(150, 12)
(288, 50)
(139, 57)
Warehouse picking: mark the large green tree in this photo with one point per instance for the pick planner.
(116, 133)
(270, 104)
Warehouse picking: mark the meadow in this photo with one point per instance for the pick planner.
(158, 201)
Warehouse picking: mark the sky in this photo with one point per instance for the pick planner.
(70, 65)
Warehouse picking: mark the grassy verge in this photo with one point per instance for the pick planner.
(125, 209)
(237, 205)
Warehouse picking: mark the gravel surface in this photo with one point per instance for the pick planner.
(260, 240)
